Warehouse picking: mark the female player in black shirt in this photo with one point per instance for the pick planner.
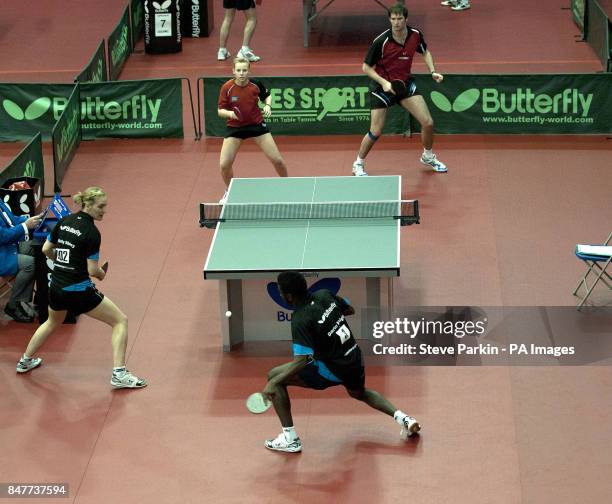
(325, 354)
(74, 247)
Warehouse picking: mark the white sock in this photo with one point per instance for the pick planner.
(290, 433)
(428, 153)
(245, 48)
(399, 417)
(359, 160)
(25, 357)
(118, 371)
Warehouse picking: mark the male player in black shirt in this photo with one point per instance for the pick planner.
(388, 63)
(325, 354)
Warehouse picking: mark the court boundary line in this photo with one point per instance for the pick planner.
(212, 244)
(314, 189)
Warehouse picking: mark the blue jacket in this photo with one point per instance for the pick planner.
(12, 231)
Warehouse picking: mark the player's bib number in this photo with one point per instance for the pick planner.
(62, 255)
(344, 333)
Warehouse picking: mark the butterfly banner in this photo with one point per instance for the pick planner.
(95, 70)
(119, 109)
(519, 104)
(119, 45)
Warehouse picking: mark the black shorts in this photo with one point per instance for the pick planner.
(239, 4)
(317, 376)
(380, 100)
(249, 131)
(76, 301)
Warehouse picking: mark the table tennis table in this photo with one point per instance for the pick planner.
(311, 12)
(246, 255)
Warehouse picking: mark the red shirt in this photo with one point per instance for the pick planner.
(244, 101)
(392, 60)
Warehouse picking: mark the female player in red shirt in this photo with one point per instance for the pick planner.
(239, 104)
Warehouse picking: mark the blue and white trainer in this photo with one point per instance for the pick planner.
(434, 162)
(24, 365)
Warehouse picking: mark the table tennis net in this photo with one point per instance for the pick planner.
(407, 211)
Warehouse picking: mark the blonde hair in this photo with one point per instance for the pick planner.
(241, 60)
(89, 195)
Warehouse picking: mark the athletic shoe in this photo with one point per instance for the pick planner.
(127, 380)
(410, 428)
(449, 3)
(224, 199)
(223, 54)
(25, 365)
(358, 170)
(461, 6)
(248, 55)
(281, 444)
(438, 166)
(18, 314)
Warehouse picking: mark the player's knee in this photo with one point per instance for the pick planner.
(356, 394)
(428, 123)
(272, 373)
(374, 134)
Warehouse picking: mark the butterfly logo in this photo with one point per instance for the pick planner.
(33, 111)
(461, 103)
(163, 6)
(330, 284)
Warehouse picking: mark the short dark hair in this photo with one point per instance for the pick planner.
(294, 283)
(398, 8)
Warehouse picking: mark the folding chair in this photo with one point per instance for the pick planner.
(596, 265)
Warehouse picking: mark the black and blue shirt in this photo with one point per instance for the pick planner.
(319, 328)
(76, 239)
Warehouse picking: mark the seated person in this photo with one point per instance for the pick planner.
(17, 258)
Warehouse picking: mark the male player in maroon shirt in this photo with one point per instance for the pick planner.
(239, 104)
(388, 63)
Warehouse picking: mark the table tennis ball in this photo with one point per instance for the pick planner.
(228, 314)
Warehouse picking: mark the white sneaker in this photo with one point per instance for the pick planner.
(449, 3)
(410, 428)
(248, 55)
(438, 166)
(223, 54)
(461, 6)
(358, 169)
(25, 365)
(223, 200)
(127, 380)
(280, 443)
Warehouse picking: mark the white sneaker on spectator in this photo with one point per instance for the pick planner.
(438, 166)
(248, 55)
(358, 169)
(462, 5)
(223, 54)
(280, 443)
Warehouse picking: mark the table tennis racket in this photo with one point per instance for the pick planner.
(399, 87)
(257, 403)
